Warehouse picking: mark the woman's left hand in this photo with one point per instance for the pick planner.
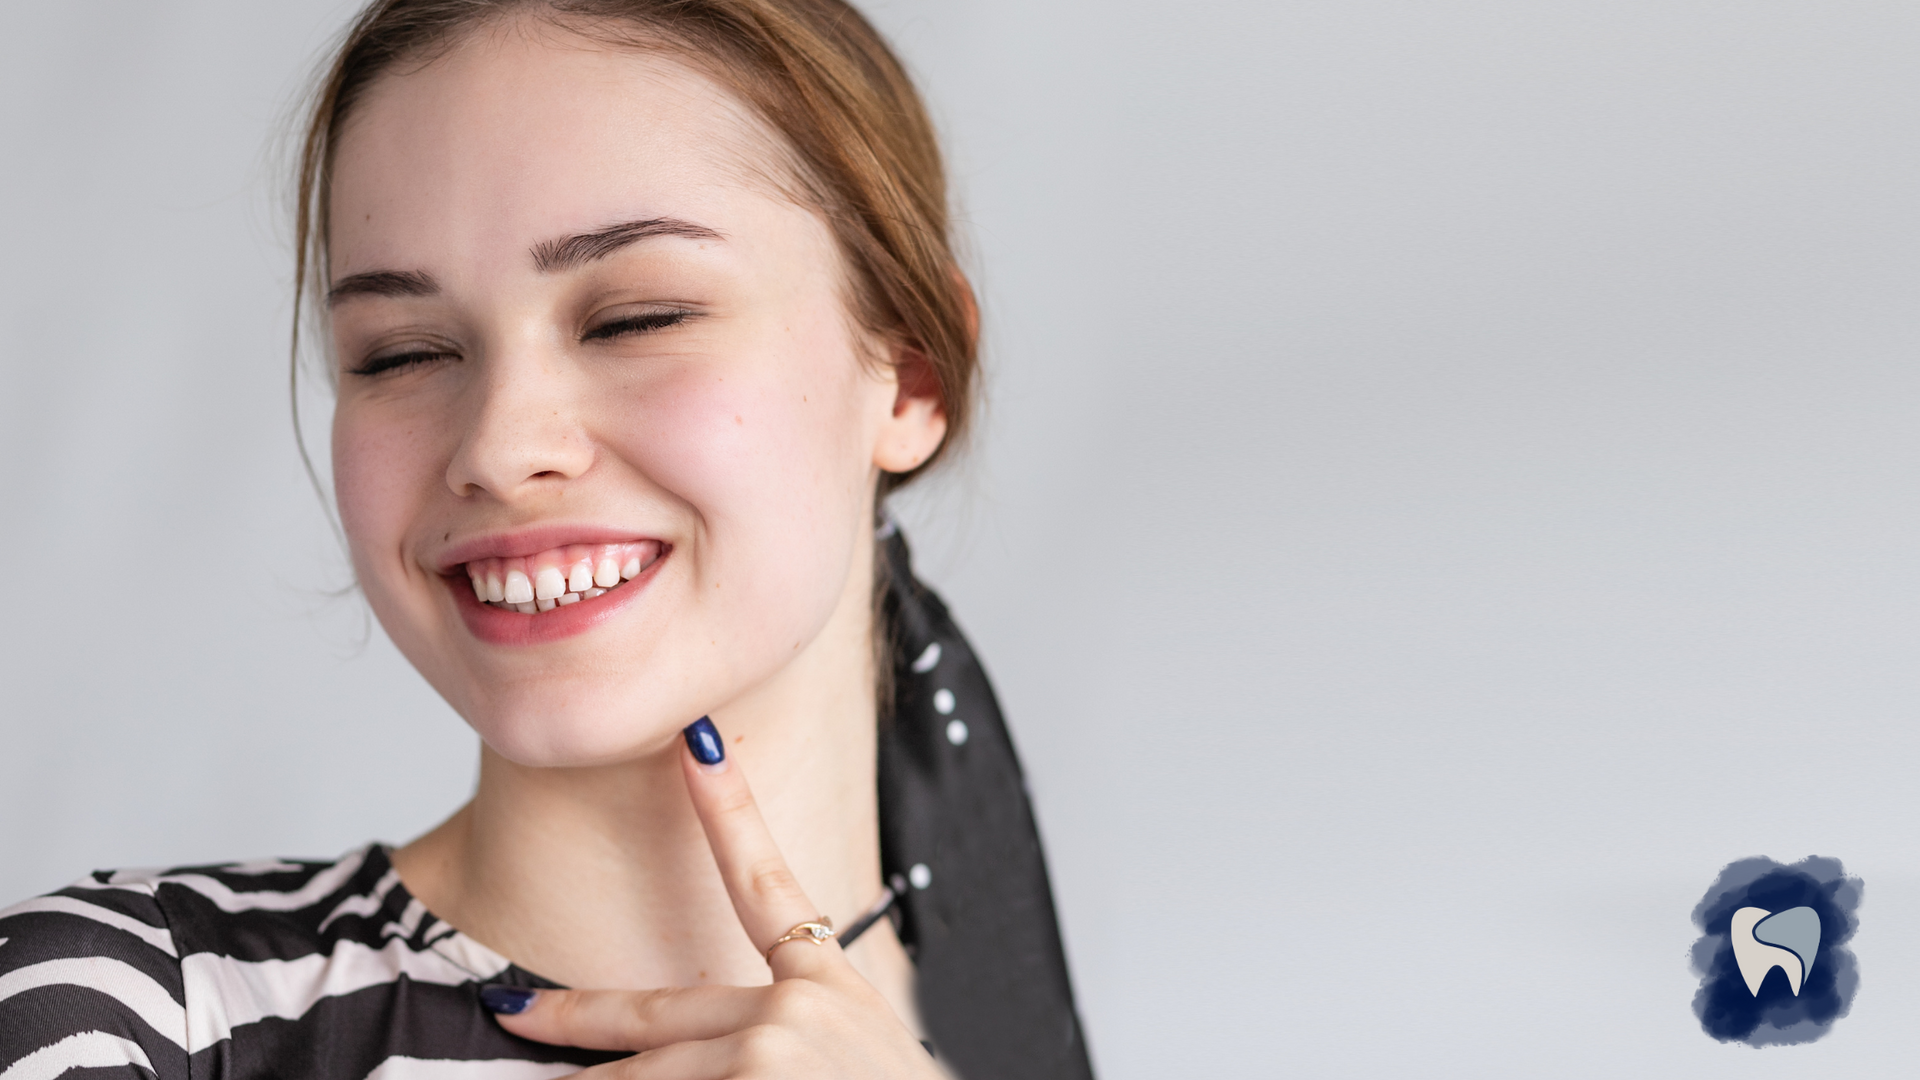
(819, 1019)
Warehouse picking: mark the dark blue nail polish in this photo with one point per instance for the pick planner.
(705, 742)
(506, 999)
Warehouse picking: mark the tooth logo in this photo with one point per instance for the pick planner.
(1764, 940)
(1773, 955)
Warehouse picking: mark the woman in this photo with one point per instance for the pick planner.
(636, 311)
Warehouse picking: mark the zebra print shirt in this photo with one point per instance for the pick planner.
(332, 971)
(255, 969)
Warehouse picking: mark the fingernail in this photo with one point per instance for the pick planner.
(705, 742)
(506, 999)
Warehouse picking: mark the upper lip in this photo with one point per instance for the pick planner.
(522, 542)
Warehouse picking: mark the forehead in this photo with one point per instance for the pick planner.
(528, 130)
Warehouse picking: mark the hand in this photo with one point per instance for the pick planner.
(819, 1019)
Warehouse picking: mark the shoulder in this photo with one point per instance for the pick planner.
(241, 968)
(145, 967)
(265, 909)
(90, 976)
(267, 926)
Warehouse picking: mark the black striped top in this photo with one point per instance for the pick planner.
(266, 968)
(333, 971)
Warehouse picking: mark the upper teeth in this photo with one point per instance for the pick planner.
(562, 576)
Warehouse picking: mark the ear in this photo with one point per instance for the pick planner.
(912, 432)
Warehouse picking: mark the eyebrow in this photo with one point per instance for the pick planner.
(383, 283)
(565, 253)
(573, 251)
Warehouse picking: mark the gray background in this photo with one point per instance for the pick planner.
(1448, 489)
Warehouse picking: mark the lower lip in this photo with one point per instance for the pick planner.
(497, 627)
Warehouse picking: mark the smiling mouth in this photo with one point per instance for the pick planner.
(561, 576)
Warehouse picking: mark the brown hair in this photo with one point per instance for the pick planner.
(863, 148)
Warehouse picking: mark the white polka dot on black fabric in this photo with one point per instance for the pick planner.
(943, 701)
(927, 660)
(920, 875)
(957, 731)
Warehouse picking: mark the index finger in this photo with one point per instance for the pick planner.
(766, 896)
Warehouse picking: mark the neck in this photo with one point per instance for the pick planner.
(601, 876)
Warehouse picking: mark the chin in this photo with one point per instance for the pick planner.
(586, 731)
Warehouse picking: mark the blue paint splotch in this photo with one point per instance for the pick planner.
(1727, 1009)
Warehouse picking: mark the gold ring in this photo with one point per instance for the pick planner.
(819, 933)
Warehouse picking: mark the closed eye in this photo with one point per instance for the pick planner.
(635, 324)
(382, 365)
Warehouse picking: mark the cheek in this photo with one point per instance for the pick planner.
(378, 470)
(770, 458)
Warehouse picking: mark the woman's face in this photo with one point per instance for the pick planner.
(597, 370)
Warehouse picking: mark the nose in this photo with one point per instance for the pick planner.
(525, 430)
